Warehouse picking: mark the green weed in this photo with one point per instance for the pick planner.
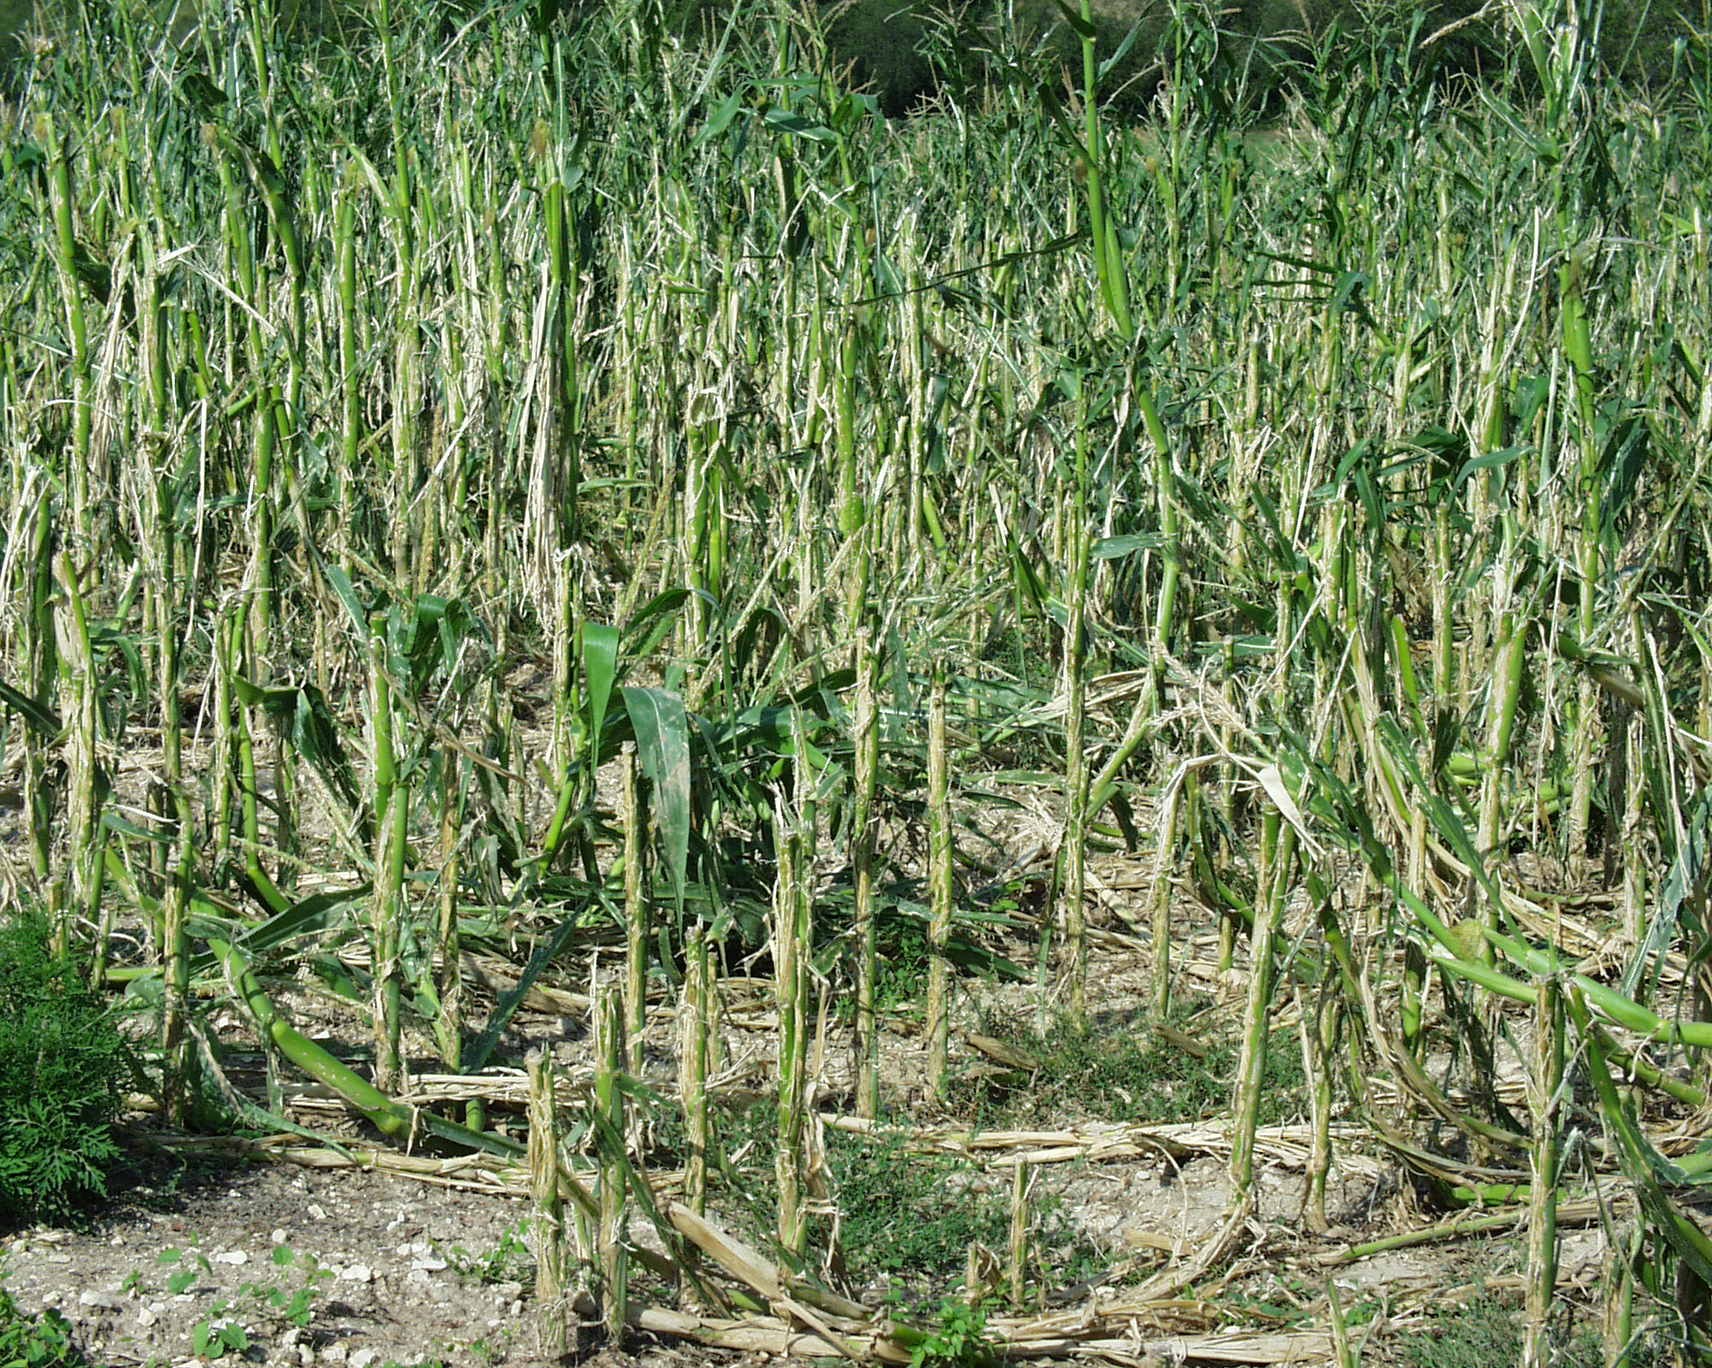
(1124, 1071)
(62, 1061)
(42, 1341)
(508, 1261)
(911, 1218)
(958, 1341)
(1486, 1331)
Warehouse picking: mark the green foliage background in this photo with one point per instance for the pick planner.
(903, 47)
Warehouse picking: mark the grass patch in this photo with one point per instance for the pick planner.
(907, 1216)
(1125, 1071)
(909, 1219)
(1487, 1331)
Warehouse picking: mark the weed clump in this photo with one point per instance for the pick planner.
(61, 1062)
(1130, 1071)
(908, 1216)
(42, 1341)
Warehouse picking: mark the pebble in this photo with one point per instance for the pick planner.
(333, 1353)
(316, 1213)
(147, 1316)
(279, 1237)
(231, 1256)
(357, 1273)
(361, 1358)
(99, 1301)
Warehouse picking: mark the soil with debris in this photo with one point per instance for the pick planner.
(299, 1266)
(200, 1259)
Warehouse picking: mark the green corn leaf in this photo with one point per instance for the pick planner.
(600, 672)
(39, 716)
(1114, 548)
(546, 951)
(1647, 1169)
(1078, 25)
(346, 593)
(719, 117)
(663, 746)
(783, 121)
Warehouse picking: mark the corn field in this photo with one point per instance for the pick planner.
(503, 504)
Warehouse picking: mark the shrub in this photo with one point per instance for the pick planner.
(61, 1062)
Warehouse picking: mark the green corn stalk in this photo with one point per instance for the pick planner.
(66, 251)
(694, 1056)
(614, 1257)
(83, 777)
(1159, 895)
(863, 842)
(350, 375)
(1109, 265)
(391, 1118)
(162, 541)
(448, 940)
(941, 884)
(792, 944)
(1074, 857)
(1277, 861)
(635, 910)
(547, 1224)
(852, 507)
(225, 741)
(1578, 351)
(391, 825)
(1508, 661)
(1016, 1263)
(39, 660)
(1317, 1023)
(1544, 1103)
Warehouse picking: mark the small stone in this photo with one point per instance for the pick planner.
(316, 1214)
(147, 1316)
(231, 1256)
(428, 1264)
(516, 1309)
(99, 1301)
(507, 1291)
(333, 1353)
(306, 1354)
(357, 1273)
(57, 1258)
(361, 1358)
(279, 1237)
(418, 1277)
